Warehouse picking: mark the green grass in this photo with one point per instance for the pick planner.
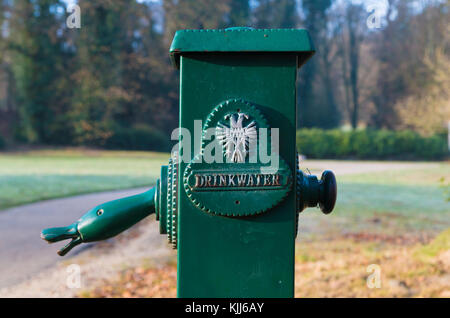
(406, 199)
(39, 175)
(439, 245)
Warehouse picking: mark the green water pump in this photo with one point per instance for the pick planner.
(230, 197)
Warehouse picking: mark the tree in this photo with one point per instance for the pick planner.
(7, 111)
(149, 79)
(425, 106)
(98, 92)
(352, 36)
(39, 62)
(317, 106)
(275, 14)
(406, 51)
(194, 14)
(239, 14)
(79, 86)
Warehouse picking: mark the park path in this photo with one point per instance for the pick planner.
(29, 267)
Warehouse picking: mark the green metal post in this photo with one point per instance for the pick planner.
(233, 219)
(251, 256)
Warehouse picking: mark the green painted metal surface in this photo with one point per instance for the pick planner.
(234, 220)
(104, 221)
(238, 257)
(242, 39)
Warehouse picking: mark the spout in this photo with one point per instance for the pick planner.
(104, 221)
(57, 234)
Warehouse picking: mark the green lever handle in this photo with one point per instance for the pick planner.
(104, 221)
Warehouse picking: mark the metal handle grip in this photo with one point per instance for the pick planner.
(328, 192)
(312, 192)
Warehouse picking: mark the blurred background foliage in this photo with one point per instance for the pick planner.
(110, 84)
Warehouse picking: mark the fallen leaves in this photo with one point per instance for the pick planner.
(139, 282)
(325, 268)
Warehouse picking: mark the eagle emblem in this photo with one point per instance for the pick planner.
(236, 138)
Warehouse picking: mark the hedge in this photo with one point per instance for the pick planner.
(2, 143)
(369, 144)
(138, 137)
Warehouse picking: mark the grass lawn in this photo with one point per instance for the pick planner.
(39, 175)
(397, 219)
(409, 200)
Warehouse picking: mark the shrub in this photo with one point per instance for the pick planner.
(2, 143)
(407, 142)
(369, 144)
(138, 137)
(362, 144)
(432, 147)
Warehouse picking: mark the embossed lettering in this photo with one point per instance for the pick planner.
(208, 181)
(276, 180)
(198, 181)
(250, 181)
(258, 180)
(222, 180)
(240, 180)
(266, 180)
(231, 179)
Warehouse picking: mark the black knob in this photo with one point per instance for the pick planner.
(328, 192)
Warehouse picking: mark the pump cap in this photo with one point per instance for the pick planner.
(243, 40)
